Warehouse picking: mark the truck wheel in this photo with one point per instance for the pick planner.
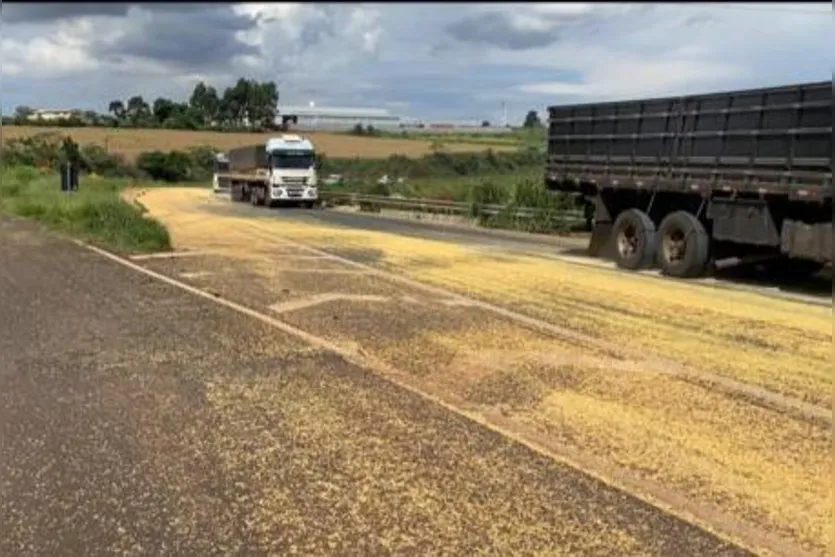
(684, 246)
(634, 236)
(237, 192)
(257, 197)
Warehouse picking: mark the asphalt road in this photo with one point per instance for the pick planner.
(137, 419)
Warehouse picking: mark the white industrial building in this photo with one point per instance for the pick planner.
(335, 118)
(52, 115)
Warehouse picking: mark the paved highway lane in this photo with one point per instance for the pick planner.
(138, 419)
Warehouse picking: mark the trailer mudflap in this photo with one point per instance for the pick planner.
(745, 221)
(807, 241)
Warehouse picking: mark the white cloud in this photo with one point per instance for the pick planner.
(404, 55)
(65, 51)
(635, 78)
(364, 27)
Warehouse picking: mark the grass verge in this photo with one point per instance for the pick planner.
(95, 213)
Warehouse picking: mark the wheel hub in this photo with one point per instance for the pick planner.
(674, 246)
(628, 241)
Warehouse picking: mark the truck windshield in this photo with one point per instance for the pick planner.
(221, 166)
(293, 159)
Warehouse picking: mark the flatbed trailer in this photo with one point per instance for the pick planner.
(690, 182)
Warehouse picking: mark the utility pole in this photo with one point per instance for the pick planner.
(504, 114)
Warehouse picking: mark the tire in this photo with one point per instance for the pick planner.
(257, 196)
(634, 240)
(237, 192)
(683, 246)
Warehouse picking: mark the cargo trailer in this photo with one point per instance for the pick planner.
(691, 182)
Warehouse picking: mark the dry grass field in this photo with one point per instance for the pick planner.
(608, 386)
(131, 142)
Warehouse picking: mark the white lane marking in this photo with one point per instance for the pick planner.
(196, 274)
(708, 517)
(166, 255)
(301, 257)
(321, 271)
(318, 299)
(457, 303)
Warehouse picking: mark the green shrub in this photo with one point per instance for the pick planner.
(98, 160)
(485, 193)
(438, 164)
(45, 151)
(178, 166)
(95, 212)
(172, 166)
(377, 188)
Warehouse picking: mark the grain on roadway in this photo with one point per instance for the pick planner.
(140, 420)
(815, 290)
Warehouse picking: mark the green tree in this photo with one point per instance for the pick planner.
(137, 110)
(23, 112)
(234, 103)
(22, 115)
(117, 109)
(205, 103)
(532, 120)
(163, 109)
(262, 103)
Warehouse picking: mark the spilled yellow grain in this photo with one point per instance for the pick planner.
(757, 464)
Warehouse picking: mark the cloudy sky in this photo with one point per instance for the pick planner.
(439, 61)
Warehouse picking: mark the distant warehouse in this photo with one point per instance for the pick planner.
(333, 118)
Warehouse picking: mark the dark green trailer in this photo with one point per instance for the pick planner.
(687, 182)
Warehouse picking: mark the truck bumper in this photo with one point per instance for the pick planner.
(301, 194)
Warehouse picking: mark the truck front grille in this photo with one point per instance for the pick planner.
(295, 181)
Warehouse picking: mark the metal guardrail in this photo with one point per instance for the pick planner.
(440, 206)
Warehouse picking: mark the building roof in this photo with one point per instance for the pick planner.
(341, 112)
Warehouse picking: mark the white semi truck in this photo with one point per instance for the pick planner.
(282, 170)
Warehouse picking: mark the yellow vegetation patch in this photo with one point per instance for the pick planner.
(131, 142)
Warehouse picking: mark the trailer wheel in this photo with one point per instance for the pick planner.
(684, 245)
(634, 236)
(237, 192)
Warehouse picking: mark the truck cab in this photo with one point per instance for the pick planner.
(219, 183)
(291, 160)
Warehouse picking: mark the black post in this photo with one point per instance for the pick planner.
(69, 177)
(65, 176)
(69, 169)
(73, 177)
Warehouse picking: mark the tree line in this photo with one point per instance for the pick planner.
(249, 104)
